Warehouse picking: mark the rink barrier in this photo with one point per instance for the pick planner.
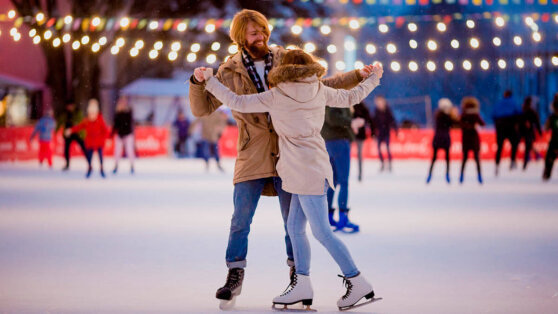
(153, 141)
(15, 145)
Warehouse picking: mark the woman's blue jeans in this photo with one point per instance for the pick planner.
(313, 208)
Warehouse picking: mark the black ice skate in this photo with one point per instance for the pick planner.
(232, 288)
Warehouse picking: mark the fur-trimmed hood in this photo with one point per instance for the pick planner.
(298, 82)
(294, 73)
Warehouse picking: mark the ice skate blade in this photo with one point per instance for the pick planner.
(284, 308)
(347, 308)
(347, 230)
(226, 305)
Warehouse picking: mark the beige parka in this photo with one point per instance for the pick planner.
(297, 108)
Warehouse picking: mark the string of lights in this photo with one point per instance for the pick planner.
(191, 52)
(297, 25)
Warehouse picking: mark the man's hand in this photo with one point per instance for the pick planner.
(67, 132)
(378, 70)
(198, 74)
(366, 71)
(357, 123)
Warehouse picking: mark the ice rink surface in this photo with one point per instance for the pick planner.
(155, 241)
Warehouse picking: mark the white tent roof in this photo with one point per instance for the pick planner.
(8, 80)
(152, 87)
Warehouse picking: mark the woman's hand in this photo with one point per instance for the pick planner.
(378, 70)
(67, 132)
(207, 73)
(366, 71)
(198, 74)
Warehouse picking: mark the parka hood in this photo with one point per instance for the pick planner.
(298, 82)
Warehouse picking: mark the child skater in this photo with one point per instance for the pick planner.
(96, 132)
(552, 125)
(297, 107)
(45, 127)
(470, 120)
(442, 140)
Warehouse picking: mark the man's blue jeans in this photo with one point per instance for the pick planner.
(246, 197)
(340, 159)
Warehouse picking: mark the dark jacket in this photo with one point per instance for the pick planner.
(552, 125)
(384, 122)
(529, 123)
(337, 125)
(362, 112)
(470, 136)
(123, 123)
(442, 131)
(182, 128)
(69, 119)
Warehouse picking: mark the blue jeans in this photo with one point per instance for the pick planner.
(314, 209)
(246, 197)
(89, 155)
(385, 139)
(210, 149)
(340, 158)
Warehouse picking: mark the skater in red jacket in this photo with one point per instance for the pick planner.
(96, 132)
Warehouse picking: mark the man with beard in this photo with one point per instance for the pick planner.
(255, 173)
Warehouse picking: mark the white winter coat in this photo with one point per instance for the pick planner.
(297, 108)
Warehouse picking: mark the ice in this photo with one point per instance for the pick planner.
(155, 241)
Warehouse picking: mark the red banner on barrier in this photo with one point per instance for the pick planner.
(412, 143)
(15, 144)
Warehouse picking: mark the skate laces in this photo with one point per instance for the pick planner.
(233, 278)
(291, 285)
(349, 285)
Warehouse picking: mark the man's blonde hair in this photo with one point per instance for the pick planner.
(240, 24)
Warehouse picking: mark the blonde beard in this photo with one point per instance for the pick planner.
(257, 52)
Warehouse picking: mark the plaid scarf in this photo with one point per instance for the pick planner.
(251, 67)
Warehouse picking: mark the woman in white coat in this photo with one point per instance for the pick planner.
(296, 105)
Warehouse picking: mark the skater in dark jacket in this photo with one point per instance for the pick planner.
(506, 116)
(552, 125)
(361, 122)
(384, 122)
(444, 120)
(123, 128)
(529, 125)
(70, 117)
(338, 135)
(182, 126)
(470, 120)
